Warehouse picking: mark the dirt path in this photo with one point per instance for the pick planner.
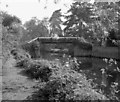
(16, 86)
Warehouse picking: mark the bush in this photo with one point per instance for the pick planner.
(20, 54)
(23, 63)
(38, 70)
(62, 82)
(66, 84)
(35, 68)
(31, 48)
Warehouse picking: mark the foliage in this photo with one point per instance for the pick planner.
(111, 39)
(62, 81)
(46, 23)
(67, 84)
(9, 19)
(76, 21)
(34, 68)
(35, 48)
(113, 79)
(11, 31)
(55, 22)
(10, 40)
(21, 55)
(92, 21)
(35, 28)
(37, 70)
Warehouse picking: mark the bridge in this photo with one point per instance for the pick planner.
(79, 47)
(63, 40)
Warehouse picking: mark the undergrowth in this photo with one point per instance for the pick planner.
(57, 82)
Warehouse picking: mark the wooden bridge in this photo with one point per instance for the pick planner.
(80, 47)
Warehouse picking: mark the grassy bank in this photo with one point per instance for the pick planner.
(57, 82)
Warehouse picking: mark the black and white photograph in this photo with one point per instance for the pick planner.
(60, 50)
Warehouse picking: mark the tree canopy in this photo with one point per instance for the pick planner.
(35, 28)
(55, 23)
(9, 19)
(92, 21)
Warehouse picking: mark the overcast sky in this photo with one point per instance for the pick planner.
(25, 9)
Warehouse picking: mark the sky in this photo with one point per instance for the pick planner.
(26, 9)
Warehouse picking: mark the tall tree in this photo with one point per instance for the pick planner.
(92, 21)
(79, 20)
(108, 14)
(55, 23)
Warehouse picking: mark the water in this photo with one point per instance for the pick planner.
(103, 72)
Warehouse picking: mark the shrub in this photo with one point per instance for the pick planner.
(62, 81)
(33, 48)
(38, 70)
(35, 68)
(20, 54)
(66, 84)
(23, 63)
